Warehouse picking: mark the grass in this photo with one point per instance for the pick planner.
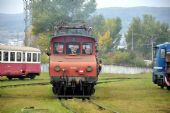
(136, 95)
(42, 78)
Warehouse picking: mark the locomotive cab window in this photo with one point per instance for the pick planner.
(73, 48)
(162, 53)
(12, 56)
(87, 48)
(58, 48)
(155, 51)
(5, 55)
(19, 56)
(28, 57)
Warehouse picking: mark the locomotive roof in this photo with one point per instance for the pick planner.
(74, 35)
(163, 44)
(18, 48)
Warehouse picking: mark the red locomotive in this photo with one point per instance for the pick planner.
(73, 65)
(19, 62)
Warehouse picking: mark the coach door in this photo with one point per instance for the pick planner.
(12, 66)
(15, 62)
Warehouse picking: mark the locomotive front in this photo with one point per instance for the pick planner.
(73, 65)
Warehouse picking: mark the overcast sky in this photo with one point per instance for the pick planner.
(16, 6)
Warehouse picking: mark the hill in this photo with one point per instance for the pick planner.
(11, 28)
(126, 14)
(12, 25)
(12, 22)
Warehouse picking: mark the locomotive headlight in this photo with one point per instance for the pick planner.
(89, 69)
(57, 68)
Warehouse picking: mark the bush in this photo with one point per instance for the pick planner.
(123, 58)
(44, 58)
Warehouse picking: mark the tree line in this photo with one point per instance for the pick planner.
(142, 32)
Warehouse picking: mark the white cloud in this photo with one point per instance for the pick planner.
(132, 3)
(11, 6)
(16, 6)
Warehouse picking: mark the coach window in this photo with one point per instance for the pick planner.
(28, 57)
(0, 55)
(19, 56)
(5, 55)
(34, 57)
(87, 48)
(12, 56)
(38, 57)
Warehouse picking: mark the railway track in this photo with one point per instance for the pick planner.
(30, 84)
(67, 107)
(107, 80)
(44, 83)
(100, 107)
(111, 78)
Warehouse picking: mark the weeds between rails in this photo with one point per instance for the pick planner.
(102, 107)
(99, 106)
(67, 107)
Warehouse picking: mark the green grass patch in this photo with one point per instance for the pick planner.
(44, 77)
(137, 94)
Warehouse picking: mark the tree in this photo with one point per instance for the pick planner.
(47, 13)
(105, 42)
(98, 23)
(143, 32)
(43, 44)
(114, 26)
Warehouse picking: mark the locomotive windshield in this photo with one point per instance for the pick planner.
(87, 48)
(58, 48)
(155, 51)
(73, 48)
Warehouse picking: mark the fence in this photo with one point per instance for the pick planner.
(124, 69)
(113, 69)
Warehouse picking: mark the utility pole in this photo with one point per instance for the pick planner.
(28, 19)
(152, 44)
(132, 41)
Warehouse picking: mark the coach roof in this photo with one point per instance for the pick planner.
(18, 48)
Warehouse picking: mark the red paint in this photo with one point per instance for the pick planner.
(74, 64)
(18, 69)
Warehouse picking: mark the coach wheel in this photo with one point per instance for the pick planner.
(154, 79)
(32, 76)
(21, 78)
(162, 87)
(9, 78)
(168, 87)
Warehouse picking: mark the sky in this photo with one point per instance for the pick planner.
(16, 6)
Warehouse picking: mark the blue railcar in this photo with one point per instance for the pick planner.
(161, 65)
